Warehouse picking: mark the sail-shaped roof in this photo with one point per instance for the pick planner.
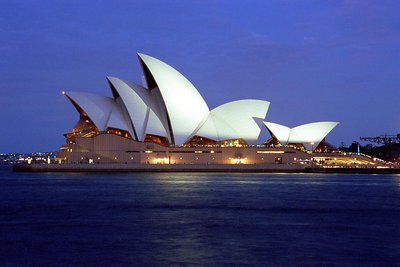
(140, 106)
(306, 134)
(171, 107)
(97, 107)
(184, 105)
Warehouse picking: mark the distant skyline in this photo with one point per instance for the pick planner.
(313, 60)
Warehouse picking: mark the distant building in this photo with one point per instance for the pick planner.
(170, 123)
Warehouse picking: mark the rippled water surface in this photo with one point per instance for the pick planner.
(136, 219)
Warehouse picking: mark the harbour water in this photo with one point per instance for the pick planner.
(156, 219)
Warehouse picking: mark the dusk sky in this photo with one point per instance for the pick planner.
(313, 60)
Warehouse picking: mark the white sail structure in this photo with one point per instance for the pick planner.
(172, 111)
(310, 134)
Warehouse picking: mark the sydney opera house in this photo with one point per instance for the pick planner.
(168, 122)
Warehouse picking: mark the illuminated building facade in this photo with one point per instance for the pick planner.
(168, 122)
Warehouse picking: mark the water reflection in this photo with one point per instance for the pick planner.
(199, 219)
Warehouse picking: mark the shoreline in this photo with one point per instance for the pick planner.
(228, 168)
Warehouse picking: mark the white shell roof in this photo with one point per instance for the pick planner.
(310, 134)
(97, 107)
(279, 131)
(140, 106)
(118, 121)
(216, 129)
(238, 115)
(185, 106)
(173, 108)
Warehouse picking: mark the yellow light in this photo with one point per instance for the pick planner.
(239, 161)
(270, 152)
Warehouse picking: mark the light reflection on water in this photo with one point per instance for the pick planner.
(199, 218)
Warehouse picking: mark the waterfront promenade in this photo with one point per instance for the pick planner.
(239, 168)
